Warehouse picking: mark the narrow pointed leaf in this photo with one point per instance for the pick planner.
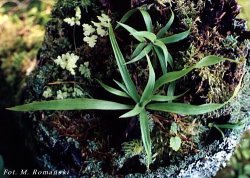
(145, 134)
(184, 109)
(209, 60)
(163, 47)
(145, 15)
(166, 27)
(142, 54)
(113, 90)
(175, 38)
(135, 111)
(130, 86)
(161, 58)
(126, 17)
(222, 134)
(170, 59)
(162, 98)
(171, 89)
(188, 109)
(123, 87)
(138, 49)
(231, 125)
(72, 104)
(147, 19)
(145, 34)
(171, 76)
(148, 91)
(132, 31)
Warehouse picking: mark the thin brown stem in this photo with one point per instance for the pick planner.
(74, 36)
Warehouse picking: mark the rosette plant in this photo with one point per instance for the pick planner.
(151, 42)
(150, 99)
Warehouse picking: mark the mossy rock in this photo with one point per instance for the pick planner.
(89, 143)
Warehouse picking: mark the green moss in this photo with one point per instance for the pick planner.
(71, 4)
(132, 148)
(20, 38)
(189, 10)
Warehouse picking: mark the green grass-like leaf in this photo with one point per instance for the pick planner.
(171, 90)
(164, 30)
(173, 76)
(184, 109)
(135, 111)
(113, 90)
(147, 19)
(145, 133)
(132, 31)
(169, 97)
(126, 16)
(161, 58)
(145, 15)
(148, 91)
(130, 86)
(138, 49)
(165, 53)
(210, 60)
(142, 54)
(72, 104)
(145, 34)
(238, 125)
(175, 38)
(122, 86)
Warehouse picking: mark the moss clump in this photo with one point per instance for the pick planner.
(20, 38)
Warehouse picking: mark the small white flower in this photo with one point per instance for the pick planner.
(77, 22)
(104, 19)
(67, 61)
(97, 24)
(47, 93)
(78, 13)
(70, 21)
(71, 62)
(86, 64)
(74, 20)
(91, 40)
(101, 32)
(61, 61)
(99, 29)
(88, 29)
(61, 95)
